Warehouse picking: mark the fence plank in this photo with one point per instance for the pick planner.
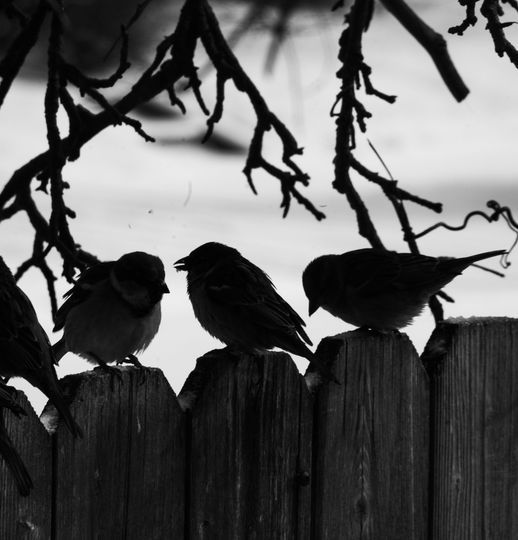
(126, 478)
(27, 518)
(475, 451)
(251, 451)
(372, 442)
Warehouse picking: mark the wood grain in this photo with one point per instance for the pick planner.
(126, 478)
(372, 442)
(27, 518)
(475, 421)
(251, 451)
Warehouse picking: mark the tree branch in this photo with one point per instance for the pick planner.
(432, 42)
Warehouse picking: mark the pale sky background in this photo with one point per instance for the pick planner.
(169, 198)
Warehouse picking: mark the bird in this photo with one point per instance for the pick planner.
(236, 302)
(380, 289)
(25, 350)
(113, 311)
(7, 449)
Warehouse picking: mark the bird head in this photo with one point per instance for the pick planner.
(140, 279)
(315, 281)
(205, 257)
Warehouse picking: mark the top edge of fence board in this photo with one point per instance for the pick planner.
(439, 343)
(393, 337)
(221, 363)
(76, 384)
(477, 320)
(370, 338)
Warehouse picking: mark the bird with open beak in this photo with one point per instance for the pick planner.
(236, 302)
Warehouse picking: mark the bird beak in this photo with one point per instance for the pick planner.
(181, 264)
(313, 306)
(165, 288)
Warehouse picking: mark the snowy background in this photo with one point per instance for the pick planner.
(169, 197)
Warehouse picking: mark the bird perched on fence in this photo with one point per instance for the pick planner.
(7, 449)
(113, 310)
(379, 289)
(25, 349)
(236, 302)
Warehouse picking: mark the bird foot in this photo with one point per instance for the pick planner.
(237, 352)
(134, 361)
(380, 331)
(113, 371)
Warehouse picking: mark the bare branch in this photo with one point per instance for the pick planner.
(20, 47)
(492, 11)
(433, 43)
(503, 212)
(196, 22)
(228, 67)
(469, 20)
(351, 58)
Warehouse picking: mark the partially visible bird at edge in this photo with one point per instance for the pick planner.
(25, 349)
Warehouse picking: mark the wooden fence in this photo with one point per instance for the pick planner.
(405, 448)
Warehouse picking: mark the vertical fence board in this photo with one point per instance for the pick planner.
(156, 498)
(27, 518)
(474, 368)
(126, 478)
(371, 444)
(251, 451)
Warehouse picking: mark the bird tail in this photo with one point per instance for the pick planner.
(64, 411)
(451, 267)
(58, 400)
(59, 349)
(481, 256)
(301, 349)
(14, 462)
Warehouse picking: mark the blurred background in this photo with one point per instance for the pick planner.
(171, 196)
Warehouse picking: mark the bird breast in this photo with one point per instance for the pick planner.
(104, 325)
(219, 321)
(384, 311)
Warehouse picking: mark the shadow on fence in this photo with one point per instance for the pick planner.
(404, 448)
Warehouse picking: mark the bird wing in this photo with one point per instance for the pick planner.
(370, 270)
(243, 286)
(418, 272)
(23, 340)
(81, 290)
(374, 271)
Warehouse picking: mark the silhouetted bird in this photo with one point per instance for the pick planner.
(7, 449)
(236, 302)
(24, 346)
(379, 289)
(113, 310)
